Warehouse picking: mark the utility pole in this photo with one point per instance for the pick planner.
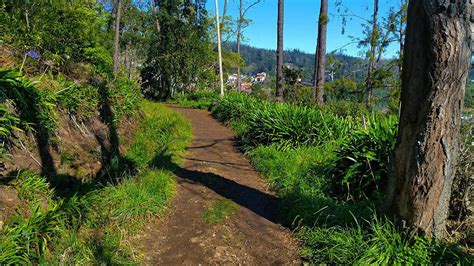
(219, 49)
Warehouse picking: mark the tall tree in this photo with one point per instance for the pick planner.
(118, 14)
(320, 60)
(373, 47)
(435, 70)
(241, 24)
(279, 53)
(219, 49)
(156, 4)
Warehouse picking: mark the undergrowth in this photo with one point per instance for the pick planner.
(199, 99)
(330, 171)
(94, 223)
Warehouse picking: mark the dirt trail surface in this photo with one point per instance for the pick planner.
(212, 170)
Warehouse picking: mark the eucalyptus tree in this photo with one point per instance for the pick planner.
(279, 52)
(320, 56)
(118, 14)
(436, 63)
(242, 23)
(180, 54)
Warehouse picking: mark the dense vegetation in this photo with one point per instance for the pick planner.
(331, 173)
(93, 222)
(57, 77)
(330, 164)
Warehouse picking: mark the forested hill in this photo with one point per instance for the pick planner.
(264, 60)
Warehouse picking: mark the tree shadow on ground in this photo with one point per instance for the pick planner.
(261, 203)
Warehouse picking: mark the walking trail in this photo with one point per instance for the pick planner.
(212, 170)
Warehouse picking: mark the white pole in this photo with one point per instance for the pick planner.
(219, 49)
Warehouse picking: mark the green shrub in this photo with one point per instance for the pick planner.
(9, 123)
(35, 108)
(81, 101)
(363, 160)
(126, 97)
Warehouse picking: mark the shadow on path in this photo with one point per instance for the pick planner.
(261, 203)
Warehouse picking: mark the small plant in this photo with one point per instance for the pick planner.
(32, 187)
(219, 211)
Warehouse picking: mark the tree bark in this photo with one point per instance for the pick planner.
(320, 57)
(435, 70)
(118, 14)
(373, 47)
(224, 12)
(155, 12)
(279, 55)
(127, 60)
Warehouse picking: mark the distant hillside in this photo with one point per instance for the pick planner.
(264, 60)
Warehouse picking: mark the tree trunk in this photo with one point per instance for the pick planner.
(155, 12)
(279, 69)
(435, 69)
(320, 60)
(239, 32)
(118, 14)
(127, 60)
(373, 47)
(224, 12)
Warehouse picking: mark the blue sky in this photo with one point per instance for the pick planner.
(300, 26)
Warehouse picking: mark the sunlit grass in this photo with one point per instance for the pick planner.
(219, 211)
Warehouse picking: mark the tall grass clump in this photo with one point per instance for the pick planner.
(362, 161)
(9, 123)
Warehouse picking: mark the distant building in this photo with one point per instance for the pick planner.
(260, 77)
(245, 86)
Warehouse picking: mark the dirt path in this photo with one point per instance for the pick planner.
(213, 170)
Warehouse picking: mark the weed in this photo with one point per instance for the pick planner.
(219, 211)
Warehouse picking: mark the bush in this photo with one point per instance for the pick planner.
(79, 100)
(363, 160)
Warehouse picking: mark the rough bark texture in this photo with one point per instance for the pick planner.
(435, 70)
(118, 14)
(373, 47)
(320, 60)
(279, 69)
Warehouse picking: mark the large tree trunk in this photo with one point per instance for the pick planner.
(118, 14)
(435, 70)
(373, 47)
(279, 68)
(320, 60)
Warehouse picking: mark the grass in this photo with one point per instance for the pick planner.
(95, 224)
(330, 171)
(199, 99)
(219, 211)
